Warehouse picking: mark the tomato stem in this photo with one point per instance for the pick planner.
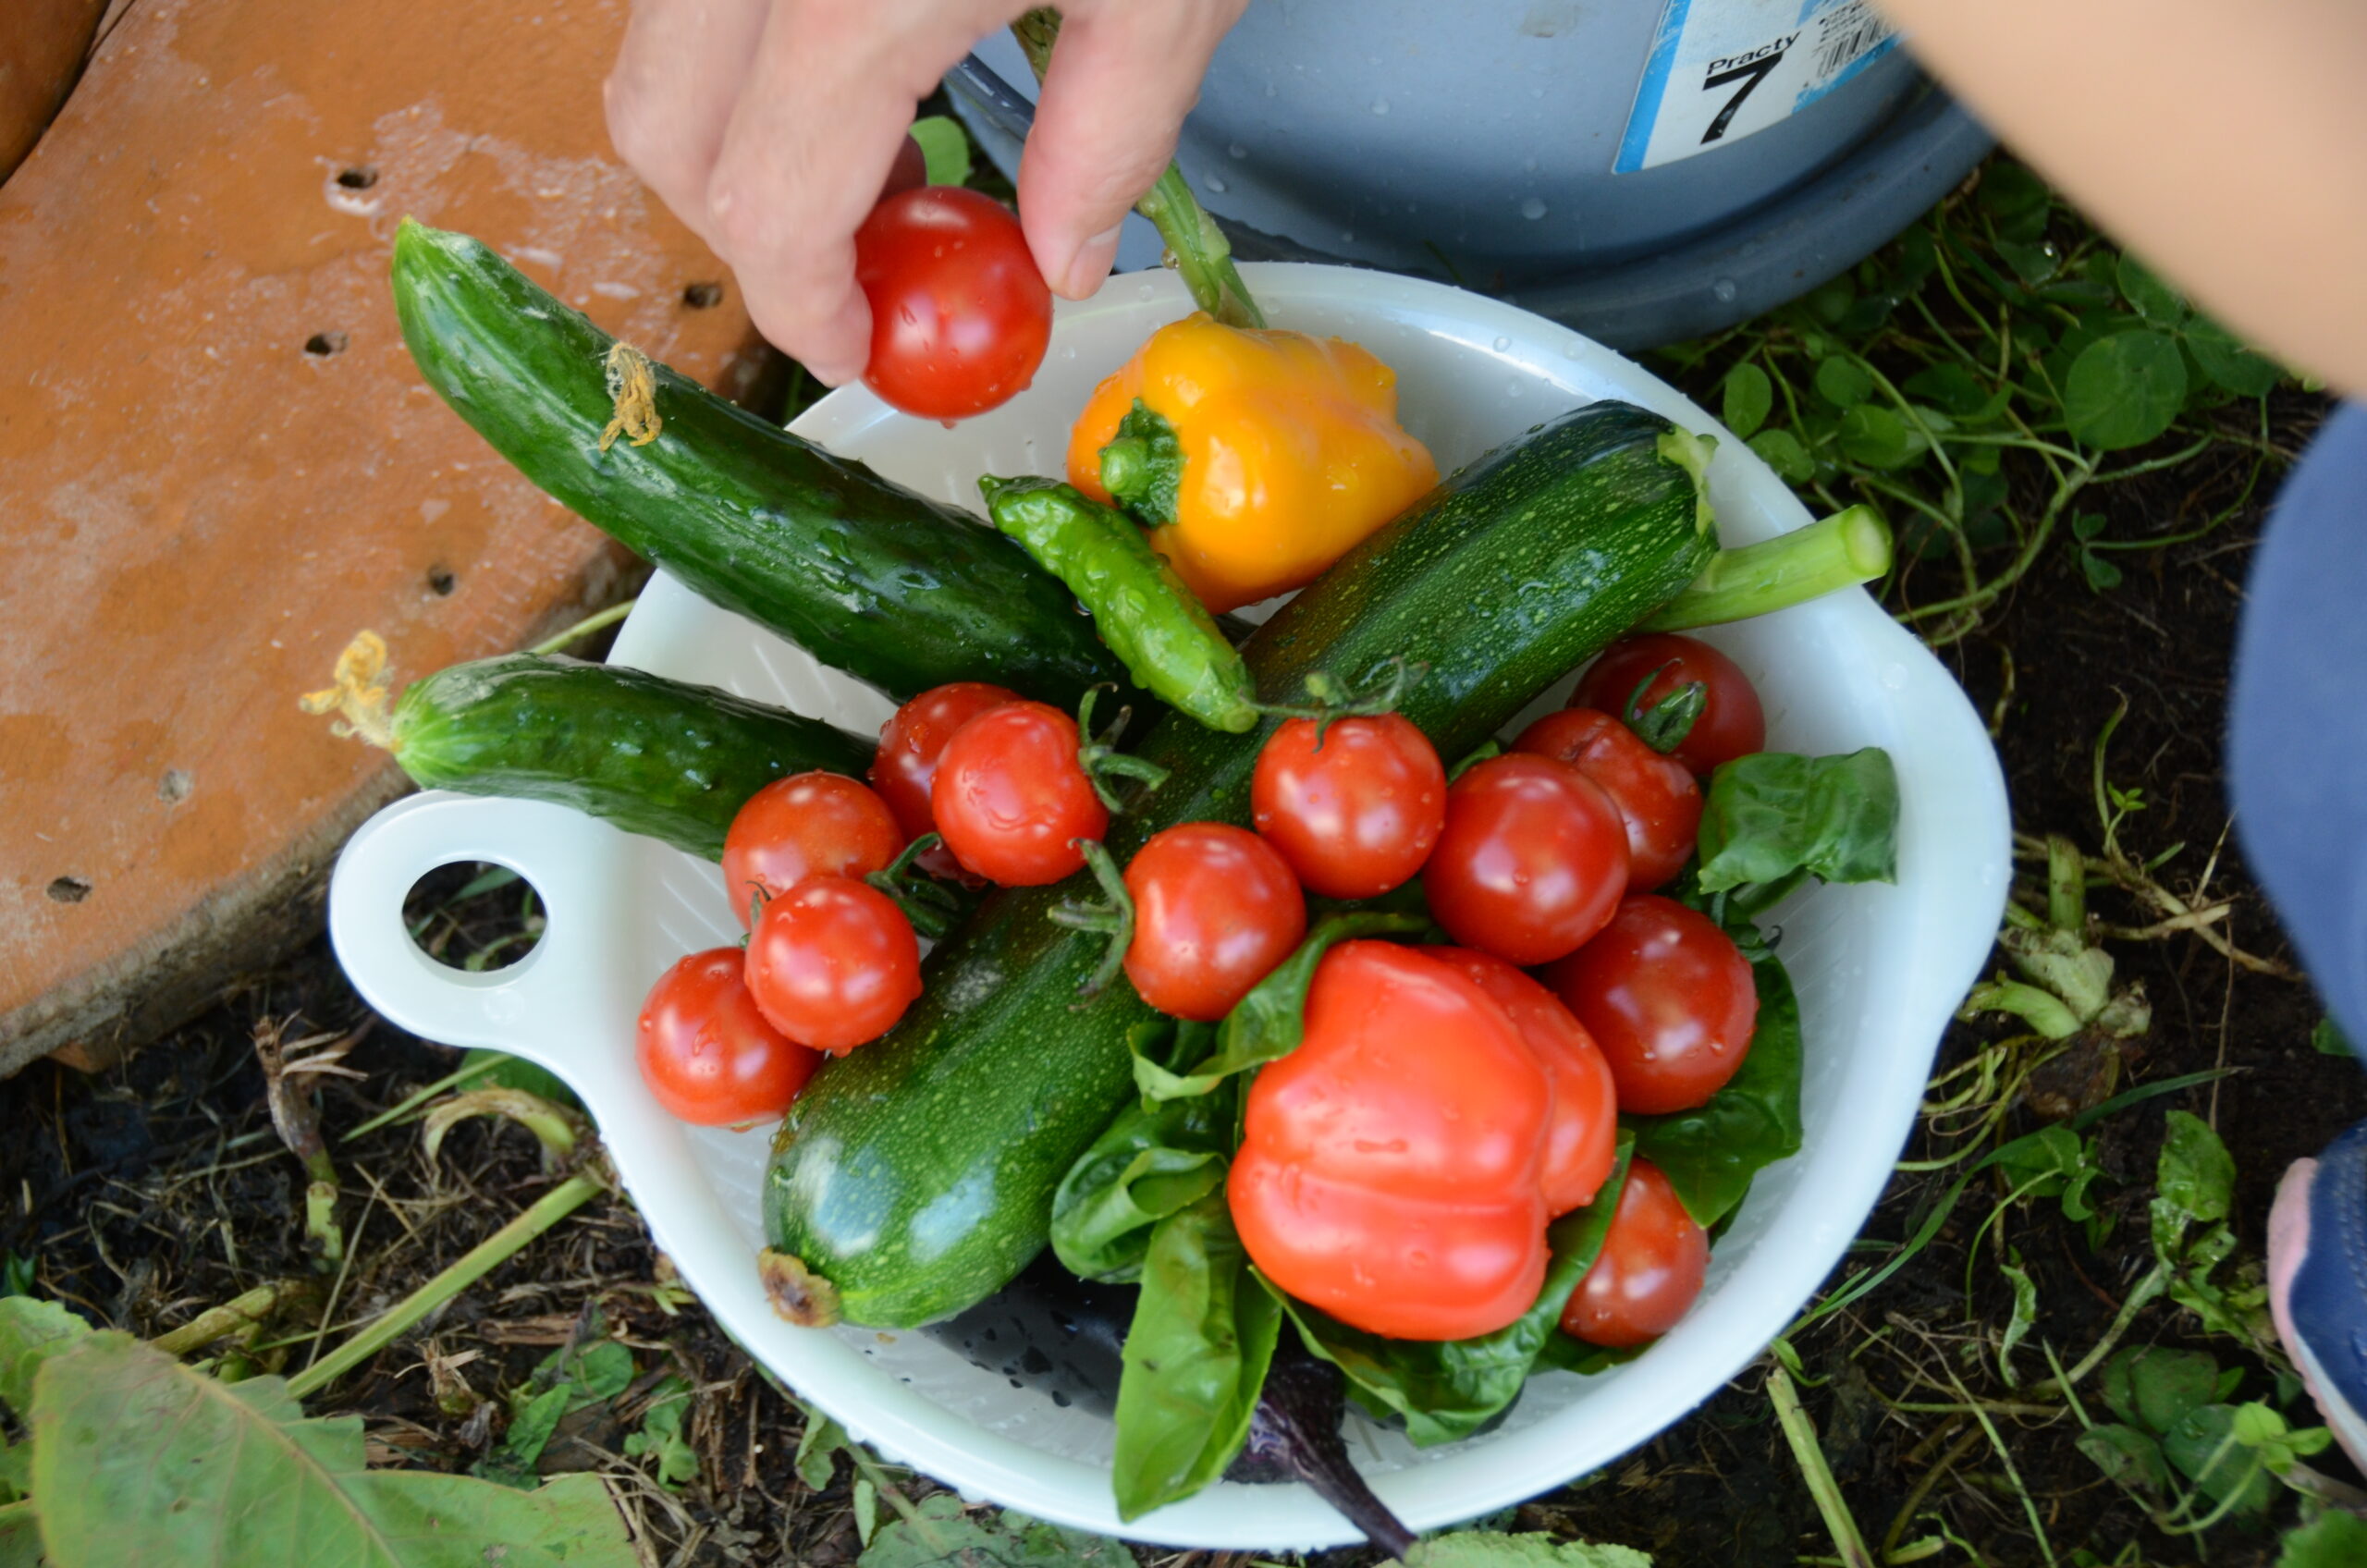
(1666, 723)
(1382, 690)
(929, 905)
(1851, 546)
(1100, 757)
(1115, 917)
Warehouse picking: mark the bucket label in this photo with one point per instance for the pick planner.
(1721, 70)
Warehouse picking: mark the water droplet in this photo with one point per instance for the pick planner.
(1145, 292)
(1215, 183)
(1347, 235)
(1380, 106)
(1237, 151)
(1533, 208)
(1724, 289)
(1068, 353)
(1502, 344)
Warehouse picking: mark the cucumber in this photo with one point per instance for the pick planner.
(653, 755)
(915, 1177)
(866, 575)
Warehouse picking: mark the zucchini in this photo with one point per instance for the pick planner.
(866, 575)
(652, 755)
(915, 1177)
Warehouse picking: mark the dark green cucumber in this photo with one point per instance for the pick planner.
(655, 756)
(866, 575)
(916, 1175)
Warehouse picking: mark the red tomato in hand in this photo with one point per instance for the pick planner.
(1732, 723)
(1215, 911)
(706, 1051)
(1532, 860)
(807, 825)
(1582, 1138)
(1649, 1272)
(1011, 798)
(1388, 1170)
(1668, 998)
(1356, 815)
(833, 963)
(960, 316)
(911, 742)
(1657, 797)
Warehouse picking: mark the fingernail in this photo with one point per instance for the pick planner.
(1092, 263)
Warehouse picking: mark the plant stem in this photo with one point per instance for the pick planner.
(1196, 248)
(584, 628)
(231, 1317)
(547, 1211)
(1841, 551)
(449, 1081)
(1801, 1432)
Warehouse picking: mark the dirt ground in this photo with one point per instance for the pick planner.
(150, 1191)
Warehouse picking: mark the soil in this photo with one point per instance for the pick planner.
(148, 1193)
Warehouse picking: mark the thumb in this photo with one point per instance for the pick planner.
(1121, 78)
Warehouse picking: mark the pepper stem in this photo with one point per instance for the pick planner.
(1115, 917)
(359, 693)
(1841, 551)
(1196, 248)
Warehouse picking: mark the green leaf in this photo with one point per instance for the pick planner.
(1143, 465)
(30, 1333)
(2101, 575)
(2125, 390)
(1879, 437)
(2204, 1448)
(1267, 1024)
(2017, 201)
(516, 1072)
(945, 1533)
(2053, 1162)
(1952, 386)
(2195, 1174)
(2338, 1539)
(944, 146)
(2129, 1456)
(2156, 1387)
(137, 1459)
(2035, 263)
(20, 1536)
(1195, 1357)
(1153, 1159)
(867, 1509)
(1773, 813)
(661, 1435)
(568, 1379)
(2327, 1039)
(1843, 382)
(1781, 451)
(2149, 294)
(1487, 1548)
(818, 1448)
(2229, 361)
(1748, 398)
(1448, 1388)
(1710, 1153)
(2024, 1317)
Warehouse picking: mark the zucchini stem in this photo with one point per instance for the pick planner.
(1841, 551)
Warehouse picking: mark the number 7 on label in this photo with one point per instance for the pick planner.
(1750, 76)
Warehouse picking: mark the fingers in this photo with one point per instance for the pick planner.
(810, 146)
(1123, 76)
(670, 95)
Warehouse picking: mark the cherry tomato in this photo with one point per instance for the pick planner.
(1215, 909)
(706, 1051)
(1732, 723)
(833, 963)
(1653, 1258)
(1669, 998)
(1388, 1171)
(1011, 799)
(1657, 797)
(1582, 1136)
(960, 316)
(1532, 860)
(910, 743)
(807, 825)
(1356, 815)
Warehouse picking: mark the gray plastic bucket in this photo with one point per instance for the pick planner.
(1565, 154)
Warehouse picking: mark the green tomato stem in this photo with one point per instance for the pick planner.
(1841, 551)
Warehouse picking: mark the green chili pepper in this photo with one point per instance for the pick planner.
(1167, 639)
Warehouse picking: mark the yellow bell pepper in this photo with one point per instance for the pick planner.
(1259, 457)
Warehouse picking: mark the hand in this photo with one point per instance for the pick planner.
(772, 128)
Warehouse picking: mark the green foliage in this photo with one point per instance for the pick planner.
(1487, 1548)
(2336, 1540)
(2194, 1193)
(2125, 390)
(941, 1532)
(1773, 815)
(1711, 1153)
(674, 1461)
(1153, 1159)
(583, 1372)
(945, 148)
(2327, 1039)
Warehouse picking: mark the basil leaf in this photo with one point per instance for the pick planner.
(1448, 1388)
(1268, 1023)
(1195, 1357)
(1710, 1154)
(1154, 1158)
(1773, 813)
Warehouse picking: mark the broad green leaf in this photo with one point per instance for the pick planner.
(2229, 360)
(1951, 386)
(1155, 1157)
(2327, 1039)
(2035, 263)
(944, 147)
(1711, 1153)
(2195, 1173)
(30, 1333)
(2131, 1457)
(1843, 383)
(568, 1379)
(20, 1536)
(1487, 1548)
(2156, 1387)
(137, 1459)
(1448, 1388)
(1781, 451)
(2149, 294)
(2125, 390)
(1195, 1357)
(2336, 1540)
(817, 1449)
(1773, 813)
(660, 1438)
(1748, 398)
(2203, 1447)
(2017, 201)
(867, 1509)
(2101, 575)
(1879, 437)
(946, 1533)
